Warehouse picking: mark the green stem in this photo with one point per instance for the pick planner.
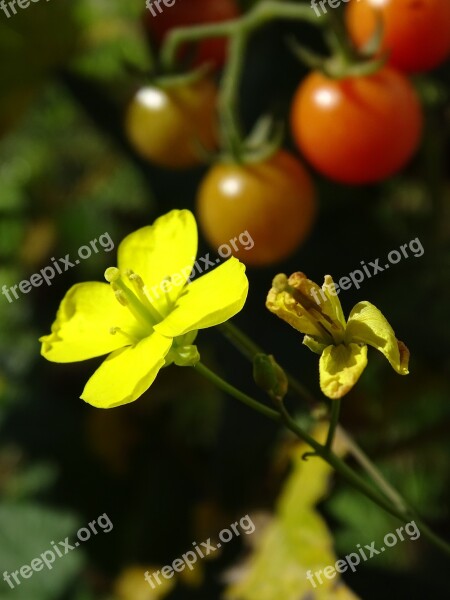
(248, 348)
(232, 134)
(374, 473)
(325, 453)
(235, 393)
(238, 30)
(262, 13)
(343, 469)
(334, 419)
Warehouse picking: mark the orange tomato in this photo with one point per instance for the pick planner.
(272, 201)
(358, 129)
(416, 32)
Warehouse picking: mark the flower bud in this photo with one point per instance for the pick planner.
(269, 376)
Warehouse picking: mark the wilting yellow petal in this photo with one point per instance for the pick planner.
(126, 374)
(164, 250)
(340, 368)
(295, 311)
(210, 300)
(82, 328)
(367, 325)
(314, 344)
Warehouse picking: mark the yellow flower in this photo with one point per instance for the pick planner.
(149, 315)
(342, 345)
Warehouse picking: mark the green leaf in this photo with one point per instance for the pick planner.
(26, 531)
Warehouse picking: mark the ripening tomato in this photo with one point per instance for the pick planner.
(416, 32)
(358, 129)
(167, 125)
(270, 204)
(184, 13)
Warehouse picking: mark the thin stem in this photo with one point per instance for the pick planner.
(248, 348)
(262, 13)
(342, 468)
(228, 99)
(324, 452)
(235, 393)
(238, 30)
(334, 419)
(364, 461)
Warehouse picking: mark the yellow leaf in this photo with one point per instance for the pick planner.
(296, 540)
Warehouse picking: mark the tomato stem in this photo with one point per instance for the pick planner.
(239, 31)
(258, 16)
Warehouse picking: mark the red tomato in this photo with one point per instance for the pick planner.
(184, 13)
(416, 32)
(272, 201)
(358, 129)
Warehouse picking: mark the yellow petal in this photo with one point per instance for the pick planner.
(166, 249)
(314, 344)
(340, 368)
(127, 373)
(367, 325)
(301, 315)
(83, 325)
(210, 300)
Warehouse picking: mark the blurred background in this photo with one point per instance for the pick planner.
(185, 461)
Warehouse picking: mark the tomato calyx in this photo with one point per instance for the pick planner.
(345, 59)
(263, 142)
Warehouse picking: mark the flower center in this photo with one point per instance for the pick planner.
(132, 294)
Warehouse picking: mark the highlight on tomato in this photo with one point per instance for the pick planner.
(170, 125)
(272, 201)
(416, 32)
(183, 13)
(357, 130)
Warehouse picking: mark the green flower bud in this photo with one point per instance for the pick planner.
(269, 376)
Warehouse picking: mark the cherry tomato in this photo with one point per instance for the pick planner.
(273, 202)
(166, 126)
(358, 129)
(416, 32)
(193, 12)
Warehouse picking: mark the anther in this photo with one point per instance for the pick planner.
(120, 296)
(112, 274)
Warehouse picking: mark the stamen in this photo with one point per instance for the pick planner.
(166, 294)
(112, 274)
(120, 296)
(126, 298)
(115, 330)
(139, 287)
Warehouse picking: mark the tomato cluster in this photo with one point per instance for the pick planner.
(354, 129)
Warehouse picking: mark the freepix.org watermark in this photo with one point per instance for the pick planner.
(190, 557)
(151, 4)
(47, 558)
(323, 3)
(244, 241)
(11, 6)
(356, 277)
(353, 559)
(48, 273)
